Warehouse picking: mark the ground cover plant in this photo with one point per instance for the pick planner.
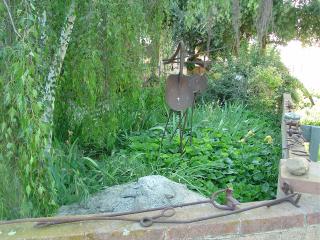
(232, 146)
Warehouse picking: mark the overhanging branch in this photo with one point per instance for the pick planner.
(11, 19)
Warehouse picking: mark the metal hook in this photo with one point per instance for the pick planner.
(231, 201)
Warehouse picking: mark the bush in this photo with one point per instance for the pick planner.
(264, 87)
(257, 79)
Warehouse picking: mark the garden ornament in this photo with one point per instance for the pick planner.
(198, 83)
(180, 92)
(179, 95)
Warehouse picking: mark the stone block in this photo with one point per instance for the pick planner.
(308, 183)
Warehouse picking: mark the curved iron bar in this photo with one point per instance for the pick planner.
(149, 221)
(166, 212)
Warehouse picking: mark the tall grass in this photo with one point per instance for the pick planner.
(12, 199)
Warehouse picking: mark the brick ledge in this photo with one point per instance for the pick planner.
(276, 218)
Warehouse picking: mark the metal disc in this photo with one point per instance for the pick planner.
(198, 83)
(179, 95)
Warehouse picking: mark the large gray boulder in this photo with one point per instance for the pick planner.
(147, 192)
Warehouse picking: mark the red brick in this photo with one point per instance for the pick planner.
(271, 223)
(313, 218)
(190, 231)
(143, 234)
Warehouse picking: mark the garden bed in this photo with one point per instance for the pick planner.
(231, 146)
(283, 221)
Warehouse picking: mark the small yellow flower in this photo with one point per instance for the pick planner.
(268, 139)
(250, 133)
(243, 140)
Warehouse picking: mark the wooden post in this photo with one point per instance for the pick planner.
(312, 135)
(314, 143)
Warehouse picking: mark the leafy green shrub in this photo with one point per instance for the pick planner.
(257, 79)
(263, 87)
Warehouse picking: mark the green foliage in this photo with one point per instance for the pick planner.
(12, 202)
(308, 21)
(290, 20)
(311, 115)
(74, 174)
(258, 79)
(100, 89)
(192, 21)
(23, 134)
(108, 93)
(99, 95)
(264, 85)
(231, 145)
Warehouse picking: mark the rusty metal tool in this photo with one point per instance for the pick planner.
(167, 212)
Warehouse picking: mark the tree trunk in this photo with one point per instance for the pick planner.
(54, 72)
(263, 20)
(236, 24)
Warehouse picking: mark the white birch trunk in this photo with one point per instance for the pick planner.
(54, 72)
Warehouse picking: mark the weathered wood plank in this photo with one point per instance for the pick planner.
(314, 143)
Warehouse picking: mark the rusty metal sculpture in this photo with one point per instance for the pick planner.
(179, 95)
(181, 91)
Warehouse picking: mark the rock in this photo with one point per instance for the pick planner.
(297, 166)
(292, 116)
(147, 192)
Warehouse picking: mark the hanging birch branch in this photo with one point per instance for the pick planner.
(54, 72)
(11, 19)
(43, 35)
